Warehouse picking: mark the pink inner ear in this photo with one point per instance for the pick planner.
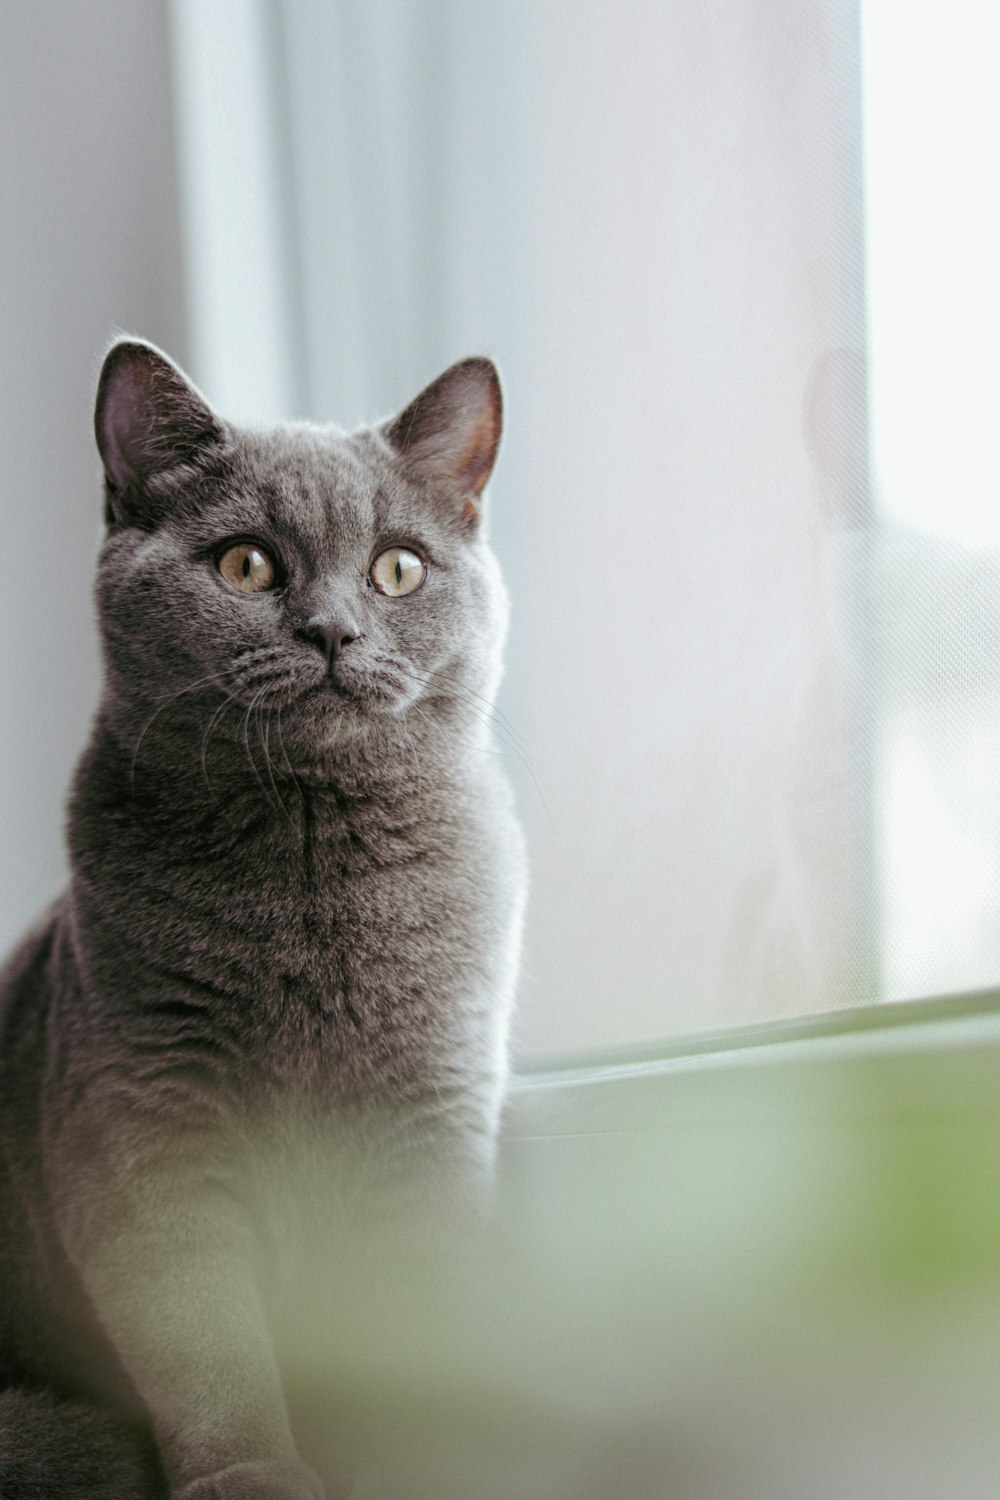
(474, 462)
(453, 427)
(122, 429)
(148, 415)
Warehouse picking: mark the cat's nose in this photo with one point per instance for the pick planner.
(332, 635)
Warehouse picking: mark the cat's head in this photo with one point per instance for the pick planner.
(336, 581)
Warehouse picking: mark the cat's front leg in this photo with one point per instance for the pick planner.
(168, 1253)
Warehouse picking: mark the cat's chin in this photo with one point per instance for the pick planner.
(333, 712)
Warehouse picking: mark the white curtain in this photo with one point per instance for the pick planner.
(731, 678)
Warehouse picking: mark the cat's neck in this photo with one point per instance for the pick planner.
(172, 781)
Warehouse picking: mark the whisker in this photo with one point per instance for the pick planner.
(265, 731)
(416, 761)
(227, 702)
(166, 703)
(246, 742)
(480, 706)
(284, 752)
(497, 717)
(200, 682)
(497, 723)
(275, 648)
(495, 712)
(460, 692)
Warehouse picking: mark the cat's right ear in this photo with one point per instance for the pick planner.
(148, 420)
(451, 432)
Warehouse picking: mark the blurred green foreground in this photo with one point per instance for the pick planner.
(768, 1267)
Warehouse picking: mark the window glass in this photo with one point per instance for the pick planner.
(932, 116)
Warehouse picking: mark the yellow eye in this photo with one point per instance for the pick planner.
(397, 571)
(247, 568)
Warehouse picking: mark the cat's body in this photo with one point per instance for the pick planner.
(270, 1014)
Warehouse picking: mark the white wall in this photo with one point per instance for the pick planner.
(88, 244)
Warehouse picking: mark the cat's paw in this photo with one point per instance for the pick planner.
(257, 1481)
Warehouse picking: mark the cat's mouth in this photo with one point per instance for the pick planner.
(347, 687)
(321, 690)
(365, 681)
(331, 687)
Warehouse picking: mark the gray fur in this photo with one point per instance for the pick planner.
(273, 1005)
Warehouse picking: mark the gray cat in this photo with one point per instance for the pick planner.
(271, 1010)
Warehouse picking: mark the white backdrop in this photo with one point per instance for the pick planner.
(655, 226)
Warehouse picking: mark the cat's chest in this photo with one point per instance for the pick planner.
(330, 882)
(354, 946)
(348, 932)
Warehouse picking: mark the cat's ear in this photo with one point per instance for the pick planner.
(452, 431)
(148, 419)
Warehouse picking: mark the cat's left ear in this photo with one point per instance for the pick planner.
(451, 432)
(148, 419)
